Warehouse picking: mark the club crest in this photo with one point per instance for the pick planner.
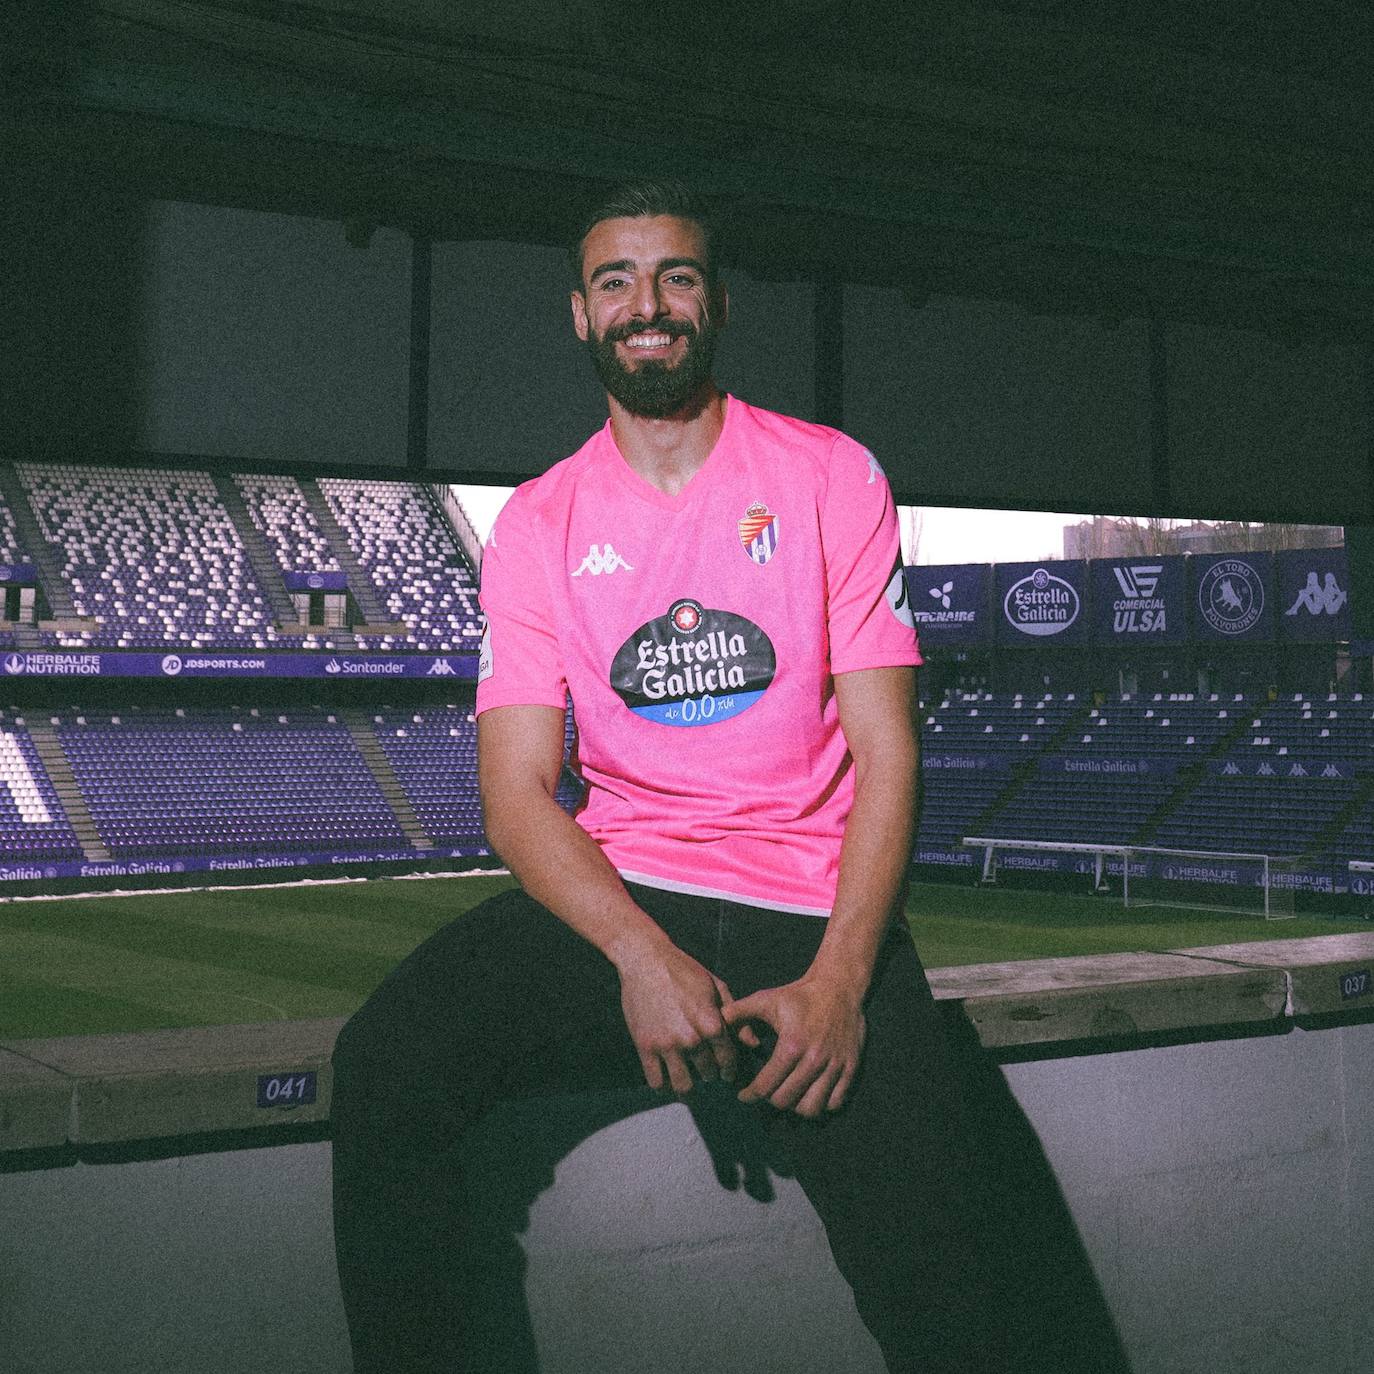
(758, 533)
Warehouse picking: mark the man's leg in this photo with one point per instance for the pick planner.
(504, 1002)
(890, 1172)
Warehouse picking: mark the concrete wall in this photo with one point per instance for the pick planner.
(1219, 1188)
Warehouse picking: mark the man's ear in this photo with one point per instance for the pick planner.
(579, 314)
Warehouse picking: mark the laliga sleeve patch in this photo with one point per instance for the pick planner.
(484, 656)
(898, 596)
(693, 666)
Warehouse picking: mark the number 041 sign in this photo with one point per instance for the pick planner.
(286, 1089)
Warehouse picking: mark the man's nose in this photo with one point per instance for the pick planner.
(648, 302)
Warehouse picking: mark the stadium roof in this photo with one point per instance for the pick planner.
(1169, 159)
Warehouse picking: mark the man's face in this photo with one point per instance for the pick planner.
(646, 312)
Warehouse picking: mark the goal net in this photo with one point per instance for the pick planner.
(1250, 884)
(1209, 880)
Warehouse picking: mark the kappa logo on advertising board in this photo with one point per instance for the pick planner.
(441, 667)
(693, 666)
(1231, 596)
(1324, 597)
(758, 532)
(1041, 604)
(1138, 610)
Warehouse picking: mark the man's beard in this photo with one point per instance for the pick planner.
(654, 389)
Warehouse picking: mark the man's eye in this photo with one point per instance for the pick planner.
(682, 279)
(612, 283)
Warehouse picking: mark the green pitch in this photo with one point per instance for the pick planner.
(94, 965)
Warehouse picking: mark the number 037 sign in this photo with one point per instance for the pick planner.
(286, 1089)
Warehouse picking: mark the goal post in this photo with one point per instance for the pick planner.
(1248, 883)
(1212, 879)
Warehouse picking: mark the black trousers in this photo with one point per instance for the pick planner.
(507, 1002)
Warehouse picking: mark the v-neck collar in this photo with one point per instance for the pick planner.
(655, 496)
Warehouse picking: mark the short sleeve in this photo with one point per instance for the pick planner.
(868, 602)
(521, 663)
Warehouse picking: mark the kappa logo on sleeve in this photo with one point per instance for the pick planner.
(874, 469)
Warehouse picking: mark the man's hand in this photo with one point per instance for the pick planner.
(672, 1007)
(820, 1029)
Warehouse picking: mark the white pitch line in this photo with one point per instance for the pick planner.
(249, 887)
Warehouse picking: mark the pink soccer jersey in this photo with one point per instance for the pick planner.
(697, 635)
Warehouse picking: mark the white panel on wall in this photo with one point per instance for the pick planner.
(1256, 422)
(273, 337)
(511, 389)
(977, 403)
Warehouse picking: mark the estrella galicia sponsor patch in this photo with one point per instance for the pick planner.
(758, 532)
(693, 666)
(898, 596)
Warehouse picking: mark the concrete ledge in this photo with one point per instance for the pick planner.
(1042, 1001)
(1324, 972)
(179, 1082)
(107, 1089)
(35, 1104)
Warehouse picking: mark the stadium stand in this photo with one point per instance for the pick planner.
(226, 781)
(1325, 727)
(279, 509)
(10, 551)
(32, 822)
(434, 755)
(166, 559)
(1281, 814)
(404, 544)
(1285, 786)
(1104, 782)
(153, 557)
(982, 723)
(971, 742)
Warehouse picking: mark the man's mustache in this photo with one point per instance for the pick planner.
(675, 329)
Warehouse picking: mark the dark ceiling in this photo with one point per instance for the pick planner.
(1175, 159)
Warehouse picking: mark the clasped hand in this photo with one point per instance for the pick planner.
(684, 1023)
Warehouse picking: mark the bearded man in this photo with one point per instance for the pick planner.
(719, 590)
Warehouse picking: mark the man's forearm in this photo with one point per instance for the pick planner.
(563, 868)
(873, 863)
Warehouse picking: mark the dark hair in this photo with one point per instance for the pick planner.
(640, 199)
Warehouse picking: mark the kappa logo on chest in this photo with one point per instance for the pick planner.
(602, 559)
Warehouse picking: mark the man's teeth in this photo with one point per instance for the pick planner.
(648, 341)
